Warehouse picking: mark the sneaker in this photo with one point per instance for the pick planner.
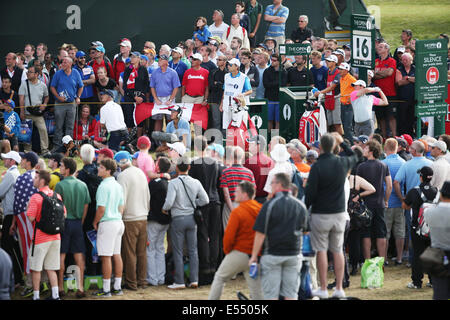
(338, 294)
(176, 286)
(27, 292)
(117, 292)
(338, 28)
(44, 287)
(386, 263)
(102, 294)
(80, 294)
(319, 293)
(412, 286)
(408, 265)
(397, 263)
(51, 298)
(193, 285)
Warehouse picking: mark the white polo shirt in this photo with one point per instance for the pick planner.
(111, 115)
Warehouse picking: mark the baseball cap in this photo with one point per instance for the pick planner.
(136, 54)
(97, 44)
(125, 42)
(271, 39)
(143, 56)
(370, 73)
(135, 155)
(359, 83)
(344, 66)
(346, 46)
(332, 58)
(235, 61)
(213, 42)
(362, 138)
(175, 108)
(122, 157)
(80, 54)
(164, 57)
(217, 148)
(66, 139)
(11, 103)
(401, 49)
(107, 152)
(108, 92)
(178, 50)
(339, 51)
(197, 56)
(408, 138)
(56, 157)
(32, 157)
(439, 144)
(144, 140)
(12, 155)
(402, 142)
(100, 49)
(178, 147)
(425, 172)
(312, 154)
(262, 45)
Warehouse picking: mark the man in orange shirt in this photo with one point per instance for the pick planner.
(238, 243)
(46, 246)
(346, 105)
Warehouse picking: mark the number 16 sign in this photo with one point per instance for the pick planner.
(363, 41)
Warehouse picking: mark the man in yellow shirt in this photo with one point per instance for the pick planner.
(345, 82)
(53, 164)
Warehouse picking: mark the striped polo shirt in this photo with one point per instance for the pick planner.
(233, 175)
(277, 29)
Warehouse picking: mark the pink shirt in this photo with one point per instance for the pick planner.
(146, 163)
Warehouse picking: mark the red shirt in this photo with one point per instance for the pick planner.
(233, 175)
(195, 81)
(34, 210)
(109, 69)
(386, 84)
(260, 165)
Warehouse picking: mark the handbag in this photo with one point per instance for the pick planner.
(360, 215)
(33, 110)
(198, 217)
(433, 262)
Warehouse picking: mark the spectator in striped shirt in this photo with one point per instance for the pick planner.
(230, 179)
(276, 15)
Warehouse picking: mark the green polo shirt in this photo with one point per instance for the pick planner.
(75, 195)
(110, 195)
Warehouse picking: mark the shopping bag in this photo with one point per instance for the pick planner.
(372, 274)
(26, 131)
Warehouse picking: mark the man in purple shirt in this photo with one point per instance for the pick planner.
(164, 85)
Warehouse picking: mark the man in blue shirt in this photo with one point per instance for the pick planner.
(276, 15)
(164, 85)
(67, 88)
(319, 71)
(179, 126)
(88, 77)
(395, 217)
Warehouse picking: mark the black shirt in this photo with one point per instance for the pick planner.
(210, 66)
(207, 171)
(374, 171)
(111, 85)
(300, 35)
(216, 80)
(271, 82)
(301, 78)
(158, 191)
(13, 95)
(414, 200)
(286, 222)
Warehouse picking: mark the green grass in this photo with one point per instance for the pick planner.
(426, 18)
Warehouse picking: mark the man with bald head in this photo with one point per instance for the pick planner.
(67, 88)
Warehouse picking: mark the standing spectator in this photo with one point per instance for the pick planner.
(238, 243)
(362, 104)
(302, 33)
(103, 82)
(384, 77)
(6, 276)
(88, 78)
(249, 69)
(54, 163)
(164, 86)
(245, 19)
(8, 243)
(236, 31)
(297, 151)
(261, 61)
(281, 157)
(345, 83)
(276, 15)
(254, 10)
(201, 31)
(136, 208)
(99, 60)
(195, 82)
(112, 118)
(76, 198)
(229, 180)
(299, 75)
(402, 149)
(395, 217)
(144, 160)
(319, 71)
(260, 165)
(180, 67)
(13, 72)
(183, 193)
(46, 247)
(120, 58)
(440, 166)
(218, 27)
(67, 88)
(405, 79)
(157, 224)
(41, 51)
(278, 231)
(33, 92)
(325, 195)
(216, 80)
(109, 226)
(438, 220)
(406, 38)
(271, 81)
(207, 63)
(414, 200)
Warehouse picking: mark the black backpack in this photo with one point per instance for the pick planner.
(52, 216)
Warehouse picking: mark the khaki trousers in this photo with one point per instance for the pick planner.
(39, 122)
(134, 255)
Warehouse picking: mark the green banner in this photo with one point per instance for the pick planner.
(363, 41)
(431, 109)
(295, 49)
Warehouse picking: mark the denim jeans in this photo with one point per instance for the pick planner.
(347, 120)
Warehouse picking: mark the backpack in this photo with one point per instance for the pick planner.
(423, 230)
(52, 216)
(59, 175)
(243, 33)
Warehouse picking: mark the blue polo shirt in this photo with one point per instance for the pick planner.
(180, 68)
(183, 128)
(394, 162)
(85, 73)
(407, 173)
(277, 29)
(67, 85)
(320, 77)
(164, 82)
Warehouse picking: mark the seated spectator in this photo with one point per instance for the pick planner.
(12, 124)
(84, 128)
(302, 33)
(68, 148)
(179, 126)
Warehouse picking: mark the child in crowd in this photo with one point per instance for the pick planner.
(12, 124)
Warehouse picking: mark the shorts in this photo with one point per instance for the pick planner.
(327, 231)
(395, 221)
(377, 228)
(109, 237)
(273, 111)
(72, 239)
(45, 256)
(280, 275)
(334, 116)
(388, 111)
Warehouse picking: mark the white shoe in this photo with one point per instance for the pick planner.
(176, 286)
(338, 294)
(323, 294)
